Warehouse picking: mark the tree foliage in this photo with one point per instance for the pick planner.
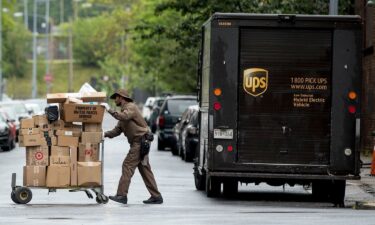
(166, 35)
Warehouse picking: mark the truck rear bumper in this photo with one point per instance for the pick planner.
(284, 176)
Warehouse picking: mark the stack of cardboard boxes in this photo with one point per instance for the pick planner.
(64, 153)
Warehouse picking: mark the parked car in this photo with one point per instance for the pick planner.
(16, 111)
(147, 107)
(7, 132)
(190, 138)
(180, 126)
(169, 115)
(33, 109)
(41, 102)
(154, 113)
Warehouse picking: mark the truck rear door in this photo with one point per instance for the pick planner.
(284, 96)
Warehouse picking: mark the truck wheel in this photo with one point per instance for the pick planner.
(23, 195)
(321, 190)
(230, 188)
(337, 195)
(213, 186)
(199, 180)
(160, 145)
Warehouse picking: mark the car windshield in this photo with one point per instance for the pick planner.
(160, 102)
(10, 112)
(20, 108)
(178, 106)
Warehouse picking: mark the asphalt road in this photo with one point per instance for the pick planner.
(182, 203)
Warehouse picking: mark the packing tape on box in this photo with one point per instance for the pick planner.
(36, 169)
(36, 182)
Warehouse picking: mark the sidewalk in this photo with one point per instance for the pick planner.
(367, 184)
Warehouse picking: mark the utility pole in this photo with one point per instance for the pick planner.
(61, 11)
(47, 36)
(333, 7)
(34, 83)
(25, 14)
(70, 84)
(1, 50)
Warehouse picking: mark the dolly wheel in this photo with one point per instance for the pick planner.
(23, 195)
(101, 199)
(13, 197)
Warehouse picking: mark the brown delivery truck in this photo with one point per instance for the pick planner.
(279, 100)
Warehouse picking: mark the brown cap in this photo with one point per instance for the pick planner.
(123, 93)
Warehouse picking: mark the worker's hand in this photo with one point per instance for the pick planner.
(105, 134)
(105, 105)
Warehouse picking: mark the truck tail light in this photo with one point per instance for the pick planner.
(230, 148)
(217, 106)
(217, 92)
(352, 95)
(161, 121)
(352, 109)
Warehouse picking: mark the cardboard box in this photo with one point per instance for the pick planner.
(89, 174)
(73, 166)
(91, 137)
(63, 140)
(57, 125)
(58, 176)
(34, 176)
(87, 113)
(29, 131)
(59, 160)
(88, 152)
(67, 132)
(30, 140)
(92, 127)
(49, 141)
(37, 156)
(41, 122)
(27, 123)
(60, 151)
(86, 97)
(72, 127)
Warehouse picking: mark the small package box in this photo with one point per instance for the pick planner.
(59, 160)
(58, 176)
(37, 156)
(91, 137)
(57, 125)
(29, 131)
(89, 174)
(41, 122)
(83, 113)
(60, 151)
(86, 97)
(27, 123)
(73, 166)
(66, 132)
(92, 127)
(88, 152)
(30, 140)
(64, 140)
(34, 176)
(49, 141)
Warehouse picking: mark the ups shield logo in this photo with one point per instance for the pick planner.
(255, 81)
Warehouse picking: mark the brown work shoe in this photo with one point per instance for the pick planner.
(154, 200)
(119, 199)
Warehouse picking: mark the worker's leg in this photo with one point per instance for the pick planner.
(128, 167)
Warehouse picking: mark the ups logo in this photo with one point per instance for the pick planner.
(255, 81)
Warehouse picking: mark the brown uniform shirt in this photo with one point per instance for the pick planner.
(130, 122)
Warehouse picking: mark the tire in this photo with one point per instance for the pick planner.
(199, 181)
(337, 195)
(174, 149)
(329, 191)
(10, 146)
(230, 188)
(213, 187)
(23, 195)
(13, 197)
(160, 145)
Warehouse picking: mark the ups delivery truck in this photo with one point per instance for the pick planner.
(279, 100)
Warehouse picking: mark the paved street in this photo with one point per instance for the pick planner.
(183, 204)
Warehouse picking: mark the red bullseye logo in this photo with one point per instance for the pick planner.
(39, 155)
(88, 152)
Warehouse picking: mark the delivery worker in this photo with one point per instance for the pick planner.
(132, 124)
